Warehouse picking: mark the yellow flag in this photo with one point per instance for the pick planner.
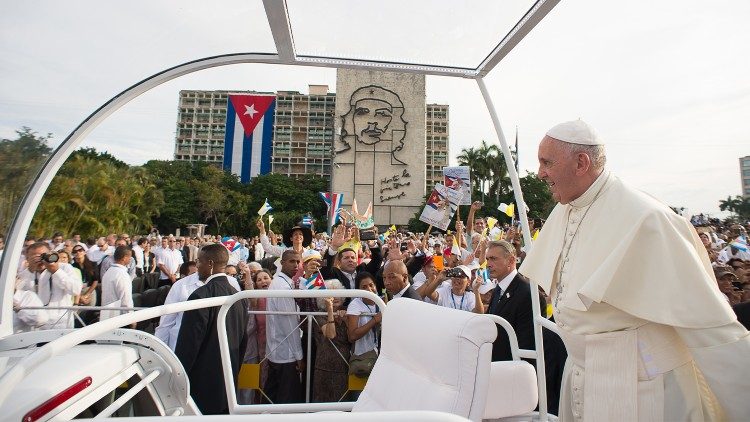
(393, 228)
(491, 222)
(535, 235)
(351, 244)
(509, 211)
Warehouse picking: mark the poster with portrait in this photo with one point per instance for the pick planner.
(440, 207)
(459, 179)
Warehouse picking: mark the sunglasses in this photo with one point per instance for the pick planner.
(77, 250)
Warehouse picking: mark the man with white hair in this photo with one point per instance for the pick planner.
(648, 333)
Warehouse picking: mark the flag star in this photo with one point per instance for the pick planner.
(250, 110)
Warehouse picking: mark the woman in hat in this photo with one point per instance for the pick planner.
(297, 238)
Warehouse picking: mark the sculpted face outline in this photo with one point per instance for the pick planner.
(375, 114)
(371, 119)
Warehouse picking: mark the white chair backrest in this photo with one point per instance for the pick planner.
(432, 358)
(512, 390)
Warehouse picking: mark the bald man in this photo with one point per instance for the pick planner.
(634, 295)
(396, 278)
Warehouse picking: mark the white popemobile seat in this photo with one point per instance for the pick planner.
(435, 358)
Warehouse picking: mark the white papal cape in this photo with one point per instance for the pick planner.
(649, 335)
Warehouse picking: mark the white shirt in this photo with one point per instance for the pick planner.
(169, 325)
(505, 282)
(28, 319)
(138, 255)
(368, 341)
(401, 293)
(260, 253)
(117, 290)
(170, 258)
(281, 346)
(96, 254)
(58, 289)
(419, 279)
(446, 298)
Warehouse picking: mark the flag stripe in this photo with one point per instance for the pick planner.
(229, 136)
(239, 136)
(256, 147)
(267, 145)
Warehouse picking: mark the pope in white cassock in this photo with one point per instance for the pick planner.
(649, 335)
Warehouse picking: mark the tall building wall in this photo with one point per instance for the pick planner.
(437, 145)
(745, 175)
(303, 131)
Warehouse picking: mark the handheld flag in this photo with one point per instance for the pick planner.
(333, 202)
(315, 282)
(248, 136)
(491, 221)
(739, 244)
(506, 209)
(307, 221)
(455, 250)
(270, 220)
(265, 208)
(229, 243)
(535, 235)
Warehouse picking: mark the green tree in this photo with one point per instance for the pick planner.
(92, 195)
(20, 160)
(738, 205)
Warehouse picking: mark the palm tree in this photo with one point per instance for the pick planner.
(472, 158)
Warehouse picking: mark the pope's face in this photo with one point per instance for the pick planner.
(371, 120)
(557, 167)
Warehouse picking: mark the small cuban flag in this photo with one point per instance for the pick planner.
(229, 243)
(307, 221)
(265, 208)
(315, 282)
(249, 133)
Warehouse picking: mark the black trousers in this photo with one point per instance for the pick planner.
(283, 383)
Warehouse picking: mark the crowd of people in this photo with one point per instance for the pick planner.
(472, 269)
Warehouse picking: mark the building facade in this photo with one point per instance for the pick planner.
(436, 144)
(745, 175)
(303, 132)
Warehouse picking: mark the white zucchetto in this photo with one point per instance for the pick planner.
(575, 132)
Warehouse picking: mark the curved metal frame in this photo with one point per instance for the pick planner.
(278, 18)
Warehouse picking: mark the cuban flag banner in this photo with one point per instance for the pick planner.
(333, 202)
(249, 132)
(315, 282)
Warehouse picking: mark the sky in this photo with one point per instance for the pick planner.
(664, 83)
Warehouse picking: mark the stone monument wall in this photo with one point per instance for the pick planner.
(380, 143)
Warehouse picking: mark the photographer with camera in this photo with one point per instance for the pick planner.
(455, 294)
(56, 283)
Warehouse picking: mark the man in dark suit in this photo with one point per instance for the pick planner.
(198, 342)
(347, 257)
(511, 300)
(396, 278)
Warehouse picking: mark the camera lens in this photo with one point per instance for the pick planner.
(50, 258)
